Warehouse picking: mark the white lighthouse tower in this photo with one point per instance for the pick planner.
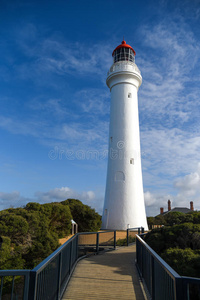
(124, 198)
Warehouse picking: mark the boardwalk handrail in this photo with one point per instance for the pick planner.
(14, 273)
(138, 229)
(49, 279)
(162, 282)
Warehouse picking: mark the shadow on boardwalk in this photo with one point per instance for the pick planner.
(111, 275)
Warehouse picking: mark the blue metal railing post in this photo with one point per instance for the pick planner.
(127, 237)
(77, 246)
(12, 291)
(180, 295)
(152, 278)
(26, 286)
(97, 243)
(13, 273)
(32, 286)
(70, 259)
(114, 239)
(59, 275)
(1, 290)
(142, 229)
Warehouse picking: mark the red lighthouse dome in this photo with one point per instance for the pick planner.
(124, 52)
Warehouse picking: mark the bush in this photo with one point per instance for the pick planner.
(87, 219)
(179, 246)
(123, 242)
(174, 218)
(30, 234)
(184, 261)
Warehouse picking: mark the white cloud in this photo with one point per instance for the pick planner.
(68, 136)
(169, 114)
(10, 196)
(166, 155)
(153, 202)
(14, 199)
(51, 107)
(77, 132)
(188, 188)
(189, 184)
(170, 151)
(56, 54)
(56, 194)
(90, 198)
(94, 101)
(149, 199)
(23, 127)
(168, 78)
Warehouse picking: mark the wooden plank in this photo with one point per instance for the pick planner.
(111, 275)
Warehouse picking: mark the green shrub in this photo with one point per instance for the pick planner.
(30, 234)
(179, 246)
(123, 242)
(184, 261)
(88, 219)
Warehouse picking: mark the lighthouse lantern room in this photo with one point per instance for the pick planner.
(123, 52)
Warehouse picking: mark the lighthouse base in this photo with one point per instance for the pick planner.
(122, 218)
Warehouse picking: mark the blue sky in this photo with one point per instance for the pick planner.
(54, 116)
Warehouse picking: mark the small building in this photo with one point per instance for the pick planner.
(183, 210)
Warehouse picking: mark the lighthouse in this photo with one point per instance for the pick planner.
(124, 198)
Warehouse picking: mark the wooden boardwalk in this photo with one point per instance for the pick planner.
(111, 275)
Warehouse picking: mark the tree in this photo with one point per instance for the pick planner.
(86, 217)
(150, 221)
(5, 252)
(13, 226)
(173, 218)
(28, 235)
(10, 255)
(184, 261)
(179, 246)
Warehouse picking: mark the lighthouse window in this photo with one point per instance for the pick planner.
(111, 139)
(119, 176)
(106, 211)
(129, 95)
(132, 161)
(124, 54)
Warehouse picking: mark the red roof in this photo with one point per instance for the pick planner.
(124, 45)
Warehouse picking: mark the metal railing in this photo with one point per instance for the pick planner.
(161, 281)
(49, 279)
(131, 234)
(16, 276)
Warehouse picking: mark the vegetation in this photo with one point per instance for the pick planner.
(178, 242)
(30, 234)
(123, 242)
(87, 219)
(173, 218)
